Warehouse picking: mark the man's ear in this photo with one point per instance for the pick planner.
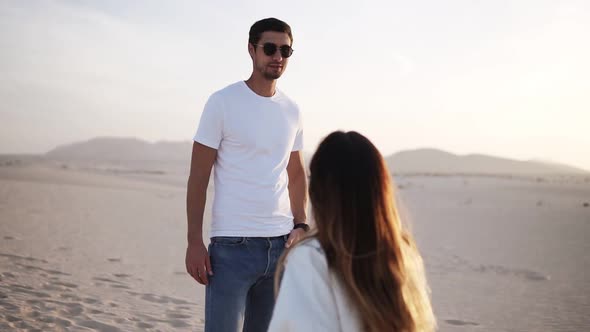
(251, 50)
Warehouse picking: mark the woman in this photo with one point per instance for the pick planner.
(360, 270)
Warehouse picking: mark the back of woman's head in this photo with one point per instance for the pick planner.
(365, 243)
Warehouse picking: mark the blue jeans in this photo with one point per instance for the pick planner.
(242, 282)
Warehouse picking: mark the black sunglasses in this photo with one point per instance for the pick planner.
(270, 49)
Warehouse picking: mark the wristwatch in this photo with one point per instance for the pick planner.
(302, 225)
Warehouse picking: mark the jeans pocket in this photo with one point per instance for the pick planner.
(228, 240)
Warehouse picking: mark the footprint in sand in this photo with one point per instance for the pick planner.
(21, 287)
(120, 287)
(59, 286)
(46, 319)
(522, 273)
(90, 300)
(112, 283)
(70, 297)
(106, 280)
(98, 326)
(34, 302)
(153, 298)
(120, 321)
(33, 314)
(52, 288)
(64, 284)
(178, 316)
(24, 326)
(16, 257)
(27, 290)
(122, 275)
(42, 307)
(162, 299)
(143, 325)
(72, 310)
(12, 319)
(46, 311)
(533, 275)
(35, 268)
(63, 323)
(458, 322)
(8, 307)
(178, 323)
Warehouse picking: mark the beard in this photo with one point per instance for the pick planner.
(271, 73)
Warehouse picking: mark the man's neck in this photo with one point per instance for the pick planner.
(261, 86)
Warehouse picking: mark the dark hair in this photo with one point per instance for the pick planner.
(268, 24)
(365, 242)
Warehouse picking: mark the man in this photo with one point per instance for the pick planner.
(252, 133)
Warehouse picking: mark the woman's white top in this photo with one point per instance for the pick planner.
(311, 297)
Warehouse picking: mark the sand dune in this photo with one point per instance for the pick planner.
(432, 161)
(126, 149)
(131, 151)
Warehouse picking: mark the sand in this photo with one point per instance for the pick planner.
(95, 248)
(90, 251)
(504, 254)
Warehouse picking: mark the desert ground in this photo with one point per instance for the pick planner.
(85, 246)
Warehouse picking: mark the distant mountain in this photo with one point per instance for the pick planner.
(430, 161)
(441, 162)
(125, 149)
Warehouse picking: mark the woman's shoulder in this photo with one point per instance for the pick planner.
(309, 253)
(310, 243)
(309, 246)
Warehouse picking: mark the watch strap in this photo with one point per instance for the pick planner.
(302, 225)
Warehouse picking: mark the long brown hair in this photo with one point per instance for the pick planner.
(366, 245)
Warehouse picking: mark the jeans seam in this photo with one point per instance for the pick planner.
(269, 250)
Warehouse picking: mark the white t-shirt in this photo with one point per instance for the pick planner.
(254, 137)
(311, 297)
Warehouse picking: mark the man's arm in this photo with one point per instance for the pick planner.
(197, 260)
(297, 193)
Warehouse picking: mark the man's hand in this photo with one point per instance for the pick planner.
(294, 237)
(198, 264)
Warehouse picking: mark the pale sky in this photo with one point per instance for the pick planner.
(505, 78)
